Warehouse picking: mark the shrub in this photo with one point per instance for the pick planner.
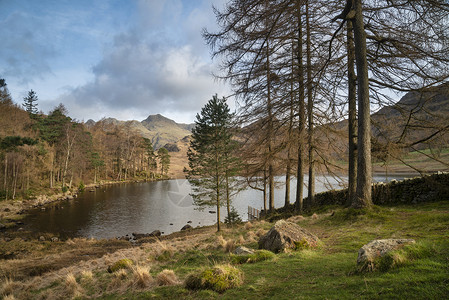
(81, 187)
(233, 217)
(124, 263)
(218, 278)
(64, 189)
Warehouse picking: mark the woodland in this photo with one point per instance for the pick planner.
(46, 153)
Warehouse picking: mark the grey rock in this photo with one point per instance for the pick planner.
(155, 233)
(378, 248)
(284, 235)
(242, 250)
(42, 238)
(186, 227)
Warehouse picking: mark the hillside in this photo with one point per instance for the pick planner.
(416, 117)
(159, 129)
(417, 122)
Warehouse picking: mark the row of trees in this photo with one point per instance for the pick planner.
(298, 67)
(40, 151)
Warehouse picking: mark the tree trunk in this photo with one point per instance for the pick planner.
(287, 181)
(301, 127)
(311, 186)
(352, 118)
(5, 183)
(265, 189)
(288, 170)
(228, 198)
(364, 176)
(270, 135)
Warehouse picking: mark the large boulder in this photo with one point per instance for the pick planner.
(286, 235)
(370, 253)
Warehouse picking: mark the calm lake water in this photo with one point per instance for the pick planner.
(122, 209)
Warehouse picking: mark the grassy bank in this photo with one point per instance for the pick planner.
(329, 272)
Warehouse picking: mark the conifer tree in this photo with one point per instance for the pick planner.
(30, 103)
(212, 163)
(164, 160)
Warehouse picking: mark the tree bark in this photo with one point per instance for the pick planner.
(364, 176)
(301, 111)
(311, 186)
(270, 135)
(352, 116)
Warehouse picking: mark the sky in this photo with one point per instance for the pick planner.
(125, 59)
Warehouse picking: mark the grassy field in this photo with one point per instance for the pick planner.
(326, 273)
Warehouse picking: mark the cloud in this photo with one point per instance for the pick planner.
(24, 53)
(159, 65)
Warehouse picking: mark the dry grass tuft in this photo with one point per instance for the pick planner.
(87, 276)
(70, 242)
(121, 274)
(229, 246)
(296, 219)
(251, 237)
(248, 225)
(141, 277)
(167, 277)
(72, 285)
(314, 216)
(163, 251)
(221, 242)
(241, 240)
(9, 286)
(9, 297)
(261, 232)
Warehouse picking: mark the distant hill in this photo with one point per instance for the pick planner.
(415, 117)
(159, 129)
(419, 120)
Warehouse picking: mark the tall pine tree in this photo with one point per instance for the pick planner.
(30, 103)
(212, 163)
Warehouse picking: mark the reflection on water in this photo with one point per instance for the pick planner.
(121, 209)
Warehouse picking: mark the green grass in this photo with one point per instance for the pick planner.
(418, 271)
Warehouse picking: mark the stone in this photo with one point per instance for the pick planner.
(54, 239)
(286, 235)
(155, 233)
(42, 238)
(186, 227)
(376, 249)
(242, 250)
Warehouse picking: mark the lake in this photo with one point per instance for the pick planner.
(121, 209)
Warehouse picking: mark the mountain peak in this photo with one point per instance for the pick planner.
(157, 118)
